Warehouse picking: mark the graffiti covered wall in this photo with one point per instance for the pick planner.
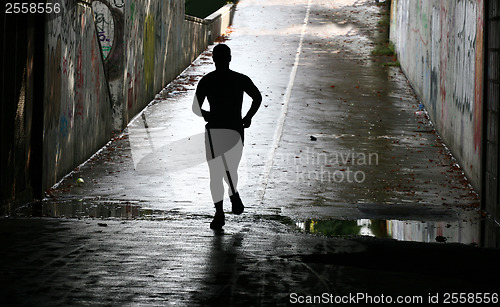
(440, 48)
(77, 108)
(105, 61)
(160, 42)
(109, 22)
(146, 44)
(152, 32)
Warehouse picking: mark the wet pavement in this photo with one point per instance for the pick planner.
(348, 188)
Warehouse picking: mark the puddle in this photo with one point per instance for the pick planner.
(464, 231)
(92, 208)
(470, 229)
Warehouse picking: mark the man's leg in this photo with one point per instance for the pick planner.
(224, 149)
(216, 169)
(217, 189)
(233, 158)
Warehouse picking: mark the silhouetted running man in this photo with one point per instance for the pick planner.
(224, 132)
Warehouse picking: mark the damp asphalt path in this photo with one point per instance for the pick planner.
(348, 189)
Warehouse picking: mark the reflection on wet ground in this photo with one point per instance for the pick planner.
(463, 231)
(469, 228)
(93, 208)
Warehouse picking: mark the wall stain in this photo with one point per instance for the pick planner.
(79, 83)
(149, 53)
(53, 108)
(110, 24)
(479, 78)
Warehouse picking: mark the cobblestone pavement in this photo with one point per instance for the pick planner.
(258, 262)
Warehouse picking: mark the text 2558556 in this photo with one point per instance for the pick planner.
(32, 8)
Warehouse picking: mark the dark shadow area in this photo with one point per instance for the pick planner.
(463, 268)
(203, 8)
(221, 271)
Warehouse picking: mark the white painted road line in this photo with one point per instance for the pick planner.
(279, 128)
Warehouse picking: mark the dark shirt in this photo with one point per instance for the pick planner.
(224, 91)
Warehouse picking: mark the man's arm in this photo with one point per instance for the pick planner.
(254, 93)
(198, 100)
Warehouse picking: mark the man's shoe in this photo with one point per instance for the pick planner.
(237, 205)
(218, 221)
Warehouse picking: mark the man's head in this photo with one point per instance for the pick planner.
(221, 56)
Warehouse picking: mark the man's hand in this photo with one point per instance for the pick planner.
(253, 92)
(247, 121)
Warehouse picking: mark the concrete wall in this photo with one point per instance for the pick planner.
(105, 62)
(77, 106)
(153, 40)
(440, 48)
(109, 22)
